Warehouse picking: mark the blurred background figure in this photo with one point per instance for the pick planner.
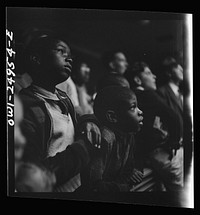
(34, 178)
(29, 177)
(116, 64)
(22, 78)
(19, 138)
(170, 91)
(174, 92)
(81, 77)
(22, 81)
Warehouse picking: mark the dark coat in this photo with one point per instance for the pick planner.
(170, 98)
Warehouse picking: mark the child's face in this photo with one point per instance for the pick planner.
(129, 117)
(57, 63)
(148, 79)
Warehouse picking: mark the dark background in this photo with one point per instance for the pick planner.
(142, 35)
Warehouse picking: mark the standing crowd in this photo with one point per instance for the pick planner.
(70, 140)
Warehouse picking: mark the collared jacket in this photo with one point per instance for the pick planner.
(112, 168)
(167, 131)
(37, 128)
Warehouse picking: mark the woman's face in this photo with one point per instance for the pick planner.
(177, 73)
(148, 79)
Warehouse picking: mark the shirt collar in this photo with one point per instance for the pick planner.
(174, 88)
(45, 93)
(140, 88)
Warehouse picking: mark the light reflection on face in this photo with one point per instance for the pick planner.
(148, 79)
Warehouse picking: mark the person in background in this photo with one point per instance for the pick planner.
(172, 93)
(113, 167)
(19, 139)
(116, 64)
(22, 81)
(23, 78)
(159, 137)
(81, 77)
(69, 87)
(56, 138)
(29, 177)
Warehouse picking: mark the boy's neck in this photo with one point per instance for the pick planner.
(46, 85)
(118, 129)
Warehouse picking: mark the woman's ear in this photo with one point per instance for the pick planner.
(111, 64)
(168, 74)
(137, 80)
(111, 116)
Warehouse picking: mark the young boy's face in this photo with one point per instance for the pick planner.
(129, 116)
(57, 62)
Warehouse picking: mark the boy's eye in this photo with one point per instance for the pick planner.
(133, 107)
(60, 50)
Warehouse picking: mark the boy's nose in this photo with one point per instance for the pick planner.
(68, 59)
(140, 112)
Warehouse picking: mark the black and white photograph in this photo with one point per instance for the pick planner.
(100, 106)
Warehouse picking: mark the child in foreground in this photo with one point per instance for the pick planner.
(51, 125)
(113, 167)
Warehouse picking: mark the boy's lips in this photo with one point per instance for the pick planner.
(68, 68)
(141, 121)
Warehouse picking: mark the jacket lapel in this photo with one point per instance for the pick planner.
(174, 98)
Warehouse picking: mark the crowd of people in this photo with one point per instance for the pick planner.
(68, 140)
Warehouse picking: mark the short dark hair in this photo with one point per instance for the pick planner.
(168, 64)
(109, 56)
(113, 80)
(138, 67)
(135, 70)
(41, 42)
(110, 98)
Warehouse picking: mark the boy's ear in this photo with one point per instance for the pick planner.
(35, 59)
(137, 80)
(111, 116)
